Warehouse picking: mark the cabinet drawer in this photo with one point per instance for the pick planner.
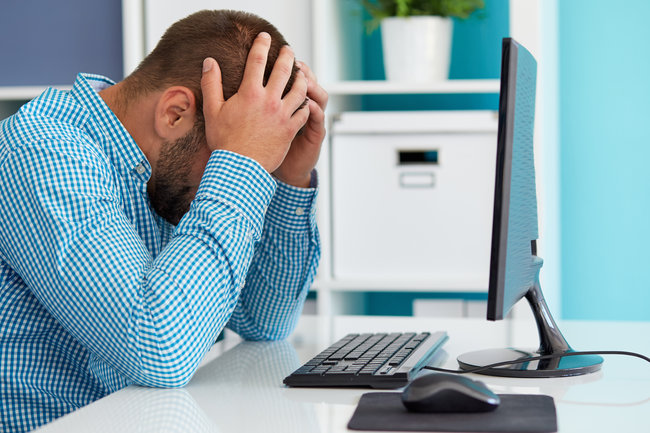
(413, 205)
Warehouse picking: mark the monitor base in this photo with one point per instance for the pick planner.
(558, 367)
(551, 341)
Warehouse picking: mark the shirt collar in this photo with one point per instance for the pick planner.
(115, 140)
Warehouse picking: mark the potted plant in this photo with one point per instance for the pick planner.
(416, 35)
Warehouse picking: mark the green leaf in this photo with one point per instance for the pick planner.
(380, 9)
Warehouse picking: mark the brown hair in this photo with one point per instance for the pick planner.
(224, 35)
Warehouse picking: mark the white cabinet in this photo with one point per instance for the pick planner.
(412, 196)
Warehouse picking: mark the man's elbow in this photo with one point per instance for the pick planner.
(268, 334)
(168, 376)
(175, 381)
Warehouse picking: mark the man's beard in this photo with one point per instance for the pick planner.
(172, 192)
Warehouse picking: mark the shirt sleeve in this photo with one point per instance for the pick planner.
(64, 231)
(283, 267)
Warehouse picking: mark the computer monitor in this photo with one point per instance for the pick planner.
(514, 264)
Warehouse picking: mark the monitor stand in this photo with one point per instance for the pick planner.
(551, 342)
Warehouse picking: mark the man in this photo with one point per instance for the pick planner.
(140, 218)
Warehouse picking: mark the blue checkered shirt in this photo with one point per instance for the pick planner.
(98, 292)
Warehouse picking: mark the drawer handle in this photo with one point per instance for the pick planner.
(417, 180)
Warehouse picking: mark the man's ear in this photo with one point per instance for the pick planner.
(175, 113)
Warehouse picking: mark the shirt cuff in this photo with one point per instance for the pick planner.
(294, 208)
(239, 182)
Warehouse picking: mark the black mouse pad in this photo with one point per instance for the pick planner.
(384, 411)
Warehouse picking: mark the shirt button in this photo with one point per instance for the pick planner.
(300, 211)
(140, 169)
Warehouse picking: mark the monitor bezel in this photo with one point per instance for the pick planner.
(503, 175)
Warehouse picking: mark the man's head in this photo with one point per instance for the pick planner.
(224, 35)
(172, 73)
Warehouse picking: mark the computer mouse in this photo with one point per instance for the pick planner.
(448, 393)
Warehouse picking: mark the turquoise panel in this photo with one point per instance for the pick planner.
(401, 304)
(604, 86)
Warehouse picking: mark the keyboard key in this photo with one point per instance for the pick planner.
(302, 370)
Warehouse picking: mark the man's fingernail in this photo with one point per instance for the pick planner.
(264, 35)
(207, 64)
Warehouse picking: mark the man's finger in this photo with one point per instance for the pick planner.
(281, 71)
(306, 70)
(211, 87)
(296, 96)
(300, 117)
(318, 94)
(314, 90)
(316, 114)
(256, 61)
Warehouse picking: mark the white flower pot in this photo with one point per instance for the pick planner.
(416, 49)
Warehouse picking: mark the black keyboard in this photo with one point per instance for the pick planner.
(374, 360)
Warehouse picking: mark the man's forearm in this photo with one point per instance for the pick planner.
(283, 267)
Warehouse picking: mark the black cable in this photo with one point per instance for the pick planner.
(537, 358)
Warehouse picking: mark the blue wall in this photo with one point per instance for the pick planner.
(604, 97)
(46, 42)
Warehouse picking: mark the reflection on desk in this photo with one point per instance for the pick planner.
(239, 387)
(147, 410)
(242, 390)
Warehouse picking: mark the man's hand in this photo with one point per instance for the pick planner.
(305, 148)
(257, 121)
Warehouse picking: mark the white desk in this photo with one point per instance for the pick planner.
(239, 386)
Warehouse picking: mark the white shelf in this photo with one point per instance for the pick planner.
(381, 87)
(19, 93)
(402, 285)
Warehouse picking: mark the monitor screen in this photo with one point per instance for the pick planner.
(513, 264)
